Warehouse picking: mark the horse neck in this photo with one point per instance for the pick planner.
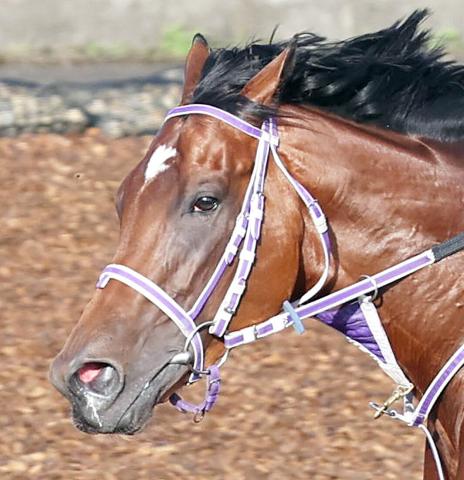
(387, 198)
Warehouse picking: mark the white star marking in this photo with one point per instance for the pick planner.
(158, 161)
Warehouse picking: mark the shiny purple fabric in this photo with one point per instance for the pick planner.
(349, 320)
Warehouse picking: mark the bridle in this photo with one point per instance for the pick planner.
(244, 238)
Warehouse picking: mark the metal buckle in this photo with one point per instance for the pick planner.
(400, 392)
(250, 334)
(198, 416)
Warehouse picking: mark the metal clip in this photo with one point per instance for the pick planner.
(399, 392)
(198, 416)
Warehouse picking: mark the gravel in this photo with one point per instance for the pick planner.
(122, 107)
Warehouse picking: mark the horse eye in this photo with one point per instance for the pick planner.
(205, 204)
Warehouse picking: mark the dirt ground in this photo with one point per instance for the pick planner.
(291, 407)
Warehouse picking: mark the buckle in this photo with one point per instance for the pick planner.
(400, 392)
(250, 334)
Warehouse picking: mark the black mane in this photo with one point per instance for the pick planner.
(390, 78)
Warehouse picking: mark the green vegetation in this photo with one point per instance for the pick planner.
(96, 51)
(174, 44)
(449, 39)
(176, 41)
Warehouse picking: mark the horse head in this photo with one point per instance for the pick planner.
(177, 209)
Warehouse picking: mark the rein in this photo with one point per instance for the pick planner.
(361, 323)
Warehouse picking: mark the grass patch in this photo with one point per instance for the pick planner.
(448, 39)
(176, 41)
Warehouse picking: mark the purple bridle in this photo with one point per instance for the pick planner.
(246, 233)
(245, 236)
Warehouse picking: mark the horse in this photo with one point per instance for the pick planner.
(371, 126)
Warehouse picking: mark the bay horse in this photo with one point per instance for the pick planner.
(373, 128)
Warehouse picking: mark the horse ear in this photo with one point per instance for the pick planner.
(264, 85)
(196, 58)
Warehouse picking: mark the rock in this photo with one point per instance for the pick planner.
(130, 108)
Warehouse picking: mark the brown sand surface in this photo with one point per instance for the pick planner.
(291, 407)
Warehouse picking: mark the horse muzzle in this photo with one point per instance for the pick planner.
(106, 399)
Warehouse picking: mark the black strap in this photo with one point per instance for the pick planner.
(451, 246)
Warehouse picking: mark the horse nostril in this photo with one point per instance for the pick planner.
(98, 378)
